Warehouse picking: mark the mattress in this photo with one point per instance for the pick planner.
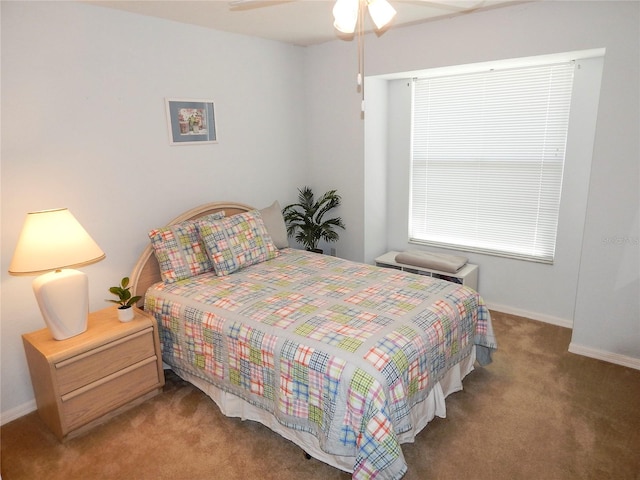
(348, 360)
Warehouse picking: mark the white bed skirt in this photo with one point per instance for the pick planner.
(421, 414)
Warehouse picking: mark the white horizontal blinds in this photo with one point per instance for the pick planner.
(487, 158)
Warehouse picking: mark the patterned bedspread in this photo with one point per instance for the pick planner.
(339, 349)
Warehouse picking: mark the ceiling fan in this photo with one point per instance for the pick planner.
(345, 12)
(349, 18)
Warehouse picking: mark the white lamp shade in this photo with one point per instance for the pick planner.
(345, 15)
(51, 240)
(381, 12)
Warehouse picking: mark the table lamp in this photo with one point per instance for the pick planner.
(51, 242)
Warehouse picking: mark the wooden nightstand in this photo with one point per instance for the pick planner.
(87, 379)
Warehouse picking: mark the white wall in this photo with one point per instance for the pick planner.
(607, 315)
(84, 127)
(595, 279)
(335, 136)
(375, 168)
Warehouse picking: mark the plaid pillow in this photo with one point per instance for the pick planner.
(179, 250)
(237, 241)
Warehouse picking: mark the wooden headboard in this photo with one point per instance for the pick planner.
(147, 272)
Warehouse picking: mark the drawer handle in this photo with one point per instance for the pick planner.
(108, 378)
(107, 346)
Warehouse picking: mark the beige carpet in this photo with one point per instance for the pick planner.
(537, 412)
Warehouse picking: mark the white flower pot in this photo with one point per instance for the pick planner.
(125, 314)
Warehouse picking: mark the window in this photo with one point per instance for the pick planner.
(488, 151)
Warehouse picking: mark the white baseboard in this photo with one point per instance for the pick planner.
(560, 322)
(17, 412)
(590, 352)
(616, 358)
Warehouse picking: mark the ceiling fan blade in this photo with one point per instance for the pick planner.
(452, 5)
(237, 5)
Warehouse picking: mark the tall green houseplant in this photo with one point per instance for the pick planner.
(305, 219)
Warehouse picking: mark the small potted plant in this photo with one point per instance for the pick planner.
(307, 218)
(125, 300)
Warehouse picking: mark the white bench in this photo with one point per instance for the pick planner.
(467, 275)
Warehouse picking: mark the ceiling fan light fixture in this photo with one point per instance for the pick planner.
(381, 12)
(345, 15)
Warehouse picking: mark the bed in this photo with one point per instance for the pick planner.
(347, 360)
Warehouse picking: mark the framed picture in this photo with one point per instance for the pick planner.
(191, 121)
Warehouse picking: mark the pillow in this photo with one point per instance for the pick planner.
(437, 261)
(274, 223)
(179, 250)
(237, 241)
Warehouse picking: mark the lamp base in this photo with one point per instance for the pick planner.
(63, 298)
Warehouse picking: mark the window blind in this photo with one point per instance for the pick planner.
(488, 152)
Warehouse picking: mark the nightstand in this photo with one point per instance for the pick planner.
(85, 380)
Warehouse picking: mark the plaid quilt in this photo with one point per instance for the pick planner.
(339, 349)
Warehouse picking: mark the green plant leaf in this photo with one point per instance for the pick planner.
(123, 293)
(133, 300)
(304, 220)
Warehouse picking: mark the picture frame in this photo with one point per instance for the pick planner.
(191, 122)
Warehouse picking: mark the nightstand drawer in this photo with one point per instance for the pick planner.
(85, 404)
(83, 369)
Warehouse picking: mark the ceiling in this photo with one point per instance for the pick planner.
(299, 22)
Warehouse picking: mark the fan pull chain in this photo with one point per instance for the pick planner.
(361, 8)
